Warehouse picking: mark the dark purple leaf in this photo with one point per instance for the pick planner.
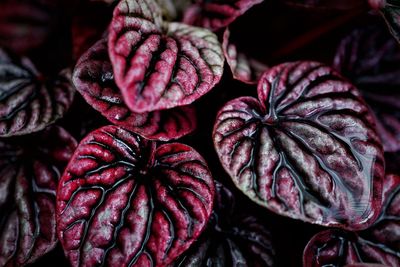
(160, 65)
(25, 25)
(230, 240)
(370, 58)
(94, 79)
(124, 202)
(243, 67)
(28, 101)
(216, 14)
(307, 149)
(30, 168)
(378, 244)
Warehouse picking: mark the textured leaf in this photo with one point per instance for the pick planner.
(230, 240)
(29, 102)
(216, 14)
(29, 172)
(159, 65)
(24, 25)
(124, 202)
(370, 58)
(243, 67)
(378, 244)
(94, 79)
(307, 149)
(173, 9)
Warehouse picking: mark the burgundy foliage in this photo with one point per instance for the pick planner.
(30, 168)
(312, 149)
(378, 244)
(231, 239)
(306, 149)
(25, 25)
(370, 58)
(122, 201)
(160, 65)
(94, 79)
(28, 101)
(243, 67)
(216, 14)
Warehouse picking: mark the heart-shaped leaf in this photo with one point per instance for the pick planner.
(94, 79)
(370, 58)
(243, 67)
(30, 169)
(216, 14)
(231, 239)
(159, 65)
(124, 202)
(378, 244)
(29, 102)
(307, 149)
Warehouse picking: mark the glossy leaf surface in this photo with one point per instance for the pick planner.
(28, 101)
(160, 65)
(378, 244)
(122, 201)
(30, 169)
(94, 79)
(306, 149)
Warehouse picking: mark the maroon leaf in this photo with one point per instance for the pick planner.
(29, 102)
(29, 173)
(216, 14)
(230, 240)
(370, 58)
(243, 67)
(124, 202)
(378, 244)
(307, 149)
(25, 25)
(94, 79)
(160, 65)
